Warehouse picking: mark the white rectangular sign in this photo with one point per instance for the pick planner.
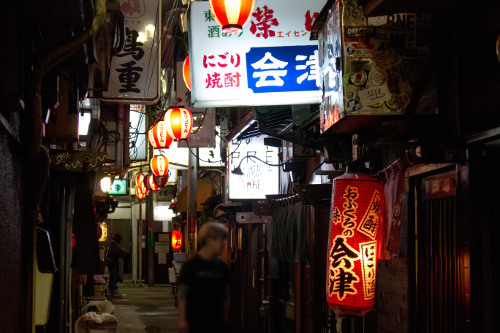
(134, 75)
(258, 178)
(271, 62)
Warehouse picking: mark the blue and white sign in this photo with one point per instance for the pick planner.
(272, 62)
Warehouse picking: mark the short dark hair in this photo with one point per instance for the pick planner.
(211, 230)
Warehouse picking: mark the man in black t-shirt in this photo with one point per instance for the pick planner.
(204, 285)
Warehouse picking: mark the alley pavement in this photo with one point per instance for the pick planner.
(145, 309)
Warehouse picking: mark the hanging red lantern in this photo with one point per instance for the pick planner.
(140, 193)
(176, 240)
(160, 181)
(158, 136)
(178, 122)
(231, 15)
(159, 165)
(151, 184)
(140, 182)
(355, 230)
(186, 73)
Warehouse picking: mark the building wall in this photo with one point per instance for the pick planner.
(13, 283)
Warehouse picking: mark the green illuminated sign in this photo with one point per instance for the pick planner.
(119, 187)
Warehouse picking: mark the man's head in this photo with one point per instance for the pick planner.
(117, 238)
(212, 237)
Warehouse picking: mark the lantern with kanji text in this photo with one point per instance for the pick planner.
(355, 231)
(158, 136)
(176, 239)
(178, 122)
(159, 165)
(140, 192)
(231, 15)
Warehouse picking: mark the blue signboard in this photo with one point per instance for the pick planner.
(282, 68)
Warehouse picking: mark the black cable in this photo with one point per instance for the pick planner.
(261, 160)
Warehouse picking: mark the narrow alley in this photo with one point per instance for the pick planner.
(249, 166)
(145, 309)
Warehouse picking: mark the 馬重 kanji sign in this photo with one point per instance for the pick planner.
(271, 62)
(134, 75)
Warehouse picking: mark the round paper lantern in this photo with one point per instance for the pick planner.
(186, 73)
(161, 181)
(231, 15)
(159, 165)
(140, 193)
(140, 182)
(355, 230)
(106, 183)
(178, 122)
(158, 136)
(151, 184)
(176, 239)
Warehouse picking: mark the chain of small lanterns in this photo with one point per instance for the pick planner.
(175, 125)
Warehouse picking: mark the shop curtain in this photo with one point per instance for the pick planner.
(289, 230)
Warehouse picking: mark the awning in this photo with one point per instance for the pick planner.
(205, 190)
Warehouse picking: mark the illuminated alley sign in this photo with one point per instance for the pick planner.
(356, 216)
(271, 62)
(134, 74)
(258, 178)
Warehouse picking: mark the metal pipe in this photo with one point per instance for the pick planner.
(191, 201)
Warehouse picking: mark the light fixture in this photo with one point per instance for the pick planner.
(231, 15)
(355, 232)
(158, 136)
(84, 123)
(176, 240)
(106, 183)
(159, 165)
(104, 231)
(178, 122)
(151, 184)
(186, 73)
(140, 182)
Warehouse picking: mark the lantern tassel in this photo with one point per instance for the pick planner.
(339, 324)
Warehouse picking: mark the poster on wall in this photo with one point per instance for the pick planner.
(372, 66)
(249, 176)
(134, 74)
(271, 62)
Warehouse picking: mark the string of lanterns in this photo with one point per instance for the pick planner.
(175, 125)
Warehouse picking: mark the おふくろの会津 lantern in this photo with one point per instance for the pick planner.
(355, 228)
(231, 15)
(178, 122)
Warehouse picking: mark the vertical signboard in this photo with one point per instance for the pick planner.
(134, 75)
(271, 62)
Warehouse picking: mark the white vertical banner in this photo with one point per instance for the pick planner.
(134, 75)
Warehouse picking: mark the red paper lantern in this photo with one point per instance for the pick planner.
(355, 230)
(231, 15)
(178, 122)
(176, 239)
(160, 181)
(186, 73)
(159, 165)
(151, 184)
(140, 182)
(158, 136)
(140, 193)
